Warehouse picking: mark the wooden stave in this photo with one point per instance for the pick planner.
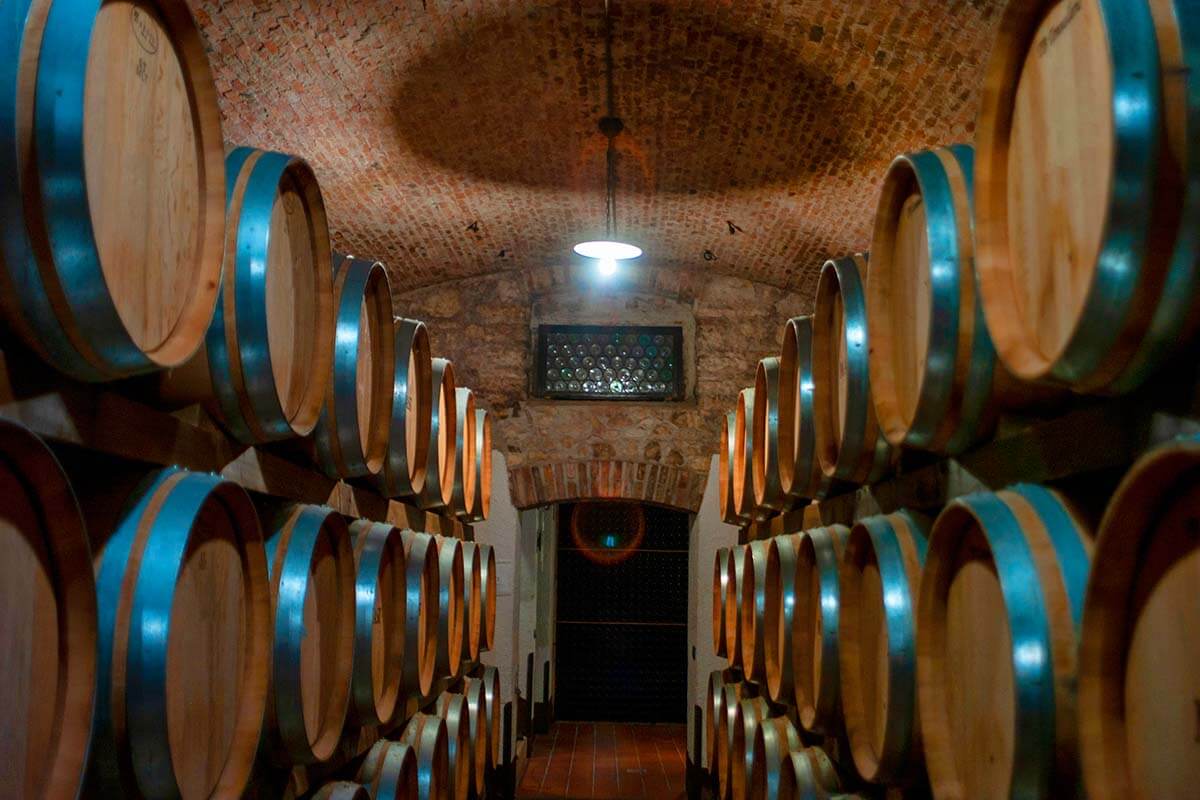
(422, 585)
(800, 472)
(765, 437)
(70, 555)
(440, 467)
(809, 775)
(462, 494)
(389, 771)
(774, 741)
(954, 408)
(473, 595)
(398, 478)
(897, 542)
(289, 553)
(733, 693)
(373, 542)
(749, 713)
(823, 548)
(743, 459)
(752, 611)
(481, 505)
(733, 604)
(1042, 766)
(337, 435)
(426, 734)
(1106, 351)
(714, 704)
(491, 692)
(728, 446)
(65, 313)
(135, 757)
(488, 576)
(450, 605)
(238, 353)
(861, 454)
(719, 587)
(452, 708)
(342, 790)
(480, 727)
(1114, 597)
(779, 617)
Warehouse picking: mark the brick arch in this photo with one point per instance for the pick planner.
(605, 479)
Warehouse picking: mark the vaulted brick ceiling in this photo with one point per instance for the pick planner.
(459, 138)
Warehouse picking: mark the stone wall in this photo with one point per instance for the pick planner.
(560, 450)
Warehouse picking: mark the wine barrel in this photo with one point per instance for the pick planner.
(743, 458)
(403, 473)
(799, 468)
(342, 790)
(849, 444)
(1000, 603)
(352, 430)
(779, 617)
(753, 611)
(481, 505)
(270, 344)
(748, 714)
(473, 601)
(47, 622)
(1089, 281)
(764, 435)
(931, 361)
(113, 184)
(185, 637)
(450, 605)
(380, 617)
(426, 734)
(733, 693)
(816, 625)
(481, 731)
(491, 696)
(389, 771)
(882, 559)
(720, 587)
(460, 755)
(725, 461)
(734, 593)
(808, 774)
(441, 464)
(422, 584)
(488, 576)
(462, 493)
(1138, 658)
(774, 741)
(311, 569)
(714, 705)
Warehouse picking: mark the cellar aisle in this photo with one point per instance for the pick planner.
(607, 760)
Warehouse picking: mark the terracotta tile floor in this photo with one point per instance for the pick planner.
(607, 760)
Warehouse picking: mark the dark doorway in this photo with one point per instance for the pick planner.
(621, 617)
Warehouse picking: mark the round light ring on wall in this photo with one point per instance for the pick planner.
(601, 249)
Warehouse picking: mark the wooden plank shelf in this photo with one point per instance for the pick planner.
(111, 419)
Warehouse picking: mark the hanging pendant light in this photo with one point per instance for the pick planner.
(608, 251)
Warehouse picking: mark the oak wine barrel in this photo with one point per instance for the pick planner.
(766, 467)
(450, 605)
(342, 790)
(488, 576)
(185, 638)
(473, 600)
(998, 613)
(481, 505)
(491, 696)
(389, 771)
(720, 588)
(1139, 660)
(422, 584)
(815, 633)
(1089, 280)
(113, 182)
(426, 734)
(748, 714)
(725, 465)
(460, 757)
(743, 458)
(269, 348)
(481, 731)
(779, 617)
(931, 360)
(732, 694)
(352, 430)
(774, 741)
(48, 622)
(462, 493)
(380, 621)
(799, 467)
(809, 774)
(403, 473)
(850, 446)
(753, 611)
(311, 569)
(879, 579)
(714, 704)
(441, 464)
(734, 593)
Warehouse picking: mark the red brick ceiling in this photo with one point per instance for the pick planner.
(459, 138)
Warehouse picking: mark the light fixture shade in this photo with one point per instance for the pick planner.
(617, 251)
